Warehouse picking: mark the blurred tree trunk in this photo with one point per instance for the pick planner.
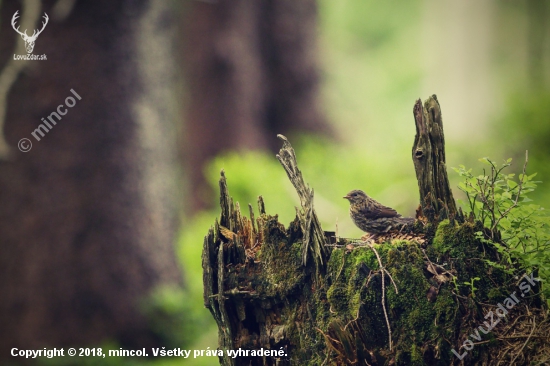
(537, 11)
(87, 221)
(251, 69)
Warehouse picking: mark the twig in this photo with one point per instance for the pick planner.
(342, 267)
(329, 339)
(383, 271)
(526, 341)
(358, 312)
(522, 336)
(392, 281)
(382, 268)
(482, 342)
(336, 230)
(520, 187)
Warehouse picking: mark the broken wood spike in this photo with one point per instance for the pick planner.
(261, 205)
(428, 156)
(252, 221)
(224, 201)
(314, 238)
(239, 234)
(208, 267)
(227, 234)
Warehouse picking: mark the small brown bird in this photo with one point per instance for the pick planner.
(371, 216)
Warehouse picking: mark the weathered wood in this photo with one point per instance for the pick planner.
(428, 153)
(247, 291)
(314, 238)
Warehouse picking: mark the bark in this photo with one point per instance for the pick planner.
(87, 222)
(251, 70)
(400, 303)
(436, 196)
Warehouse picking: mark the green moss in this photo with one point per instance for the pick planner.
(416, 355)
(355, 303)
(283, 259)
(495, 294)
(445, 308)
(419, 326)
(351, 294)
(441, 240)
(335, 262)
(338, 298)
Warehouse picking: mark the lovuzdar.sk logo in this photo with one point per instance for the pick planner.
(29, 40)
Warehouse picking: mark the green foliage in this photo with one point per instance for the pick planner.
(518, 228)
(492, 198)
(471, 283)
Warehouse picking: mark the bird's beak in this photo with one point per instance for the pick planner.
(347, 197)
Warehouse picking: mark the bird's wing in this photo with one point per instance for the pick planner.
(377, 211)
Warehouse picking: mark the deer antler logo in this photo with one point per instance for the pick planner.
(29, 41)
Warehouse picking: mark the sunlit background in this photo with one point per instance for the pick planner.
(487, 62)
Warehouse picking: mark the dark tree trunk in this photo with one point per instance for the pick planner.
(252, 73)
(87, 220)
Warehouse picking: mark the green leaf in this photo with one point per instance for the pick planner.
(485, 161)
(506, 224)
(511, 184)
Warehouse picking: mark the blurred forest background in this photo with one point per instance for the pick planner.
(102, 222)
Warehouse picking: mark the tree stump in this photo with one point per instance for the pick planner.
(297, 296)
